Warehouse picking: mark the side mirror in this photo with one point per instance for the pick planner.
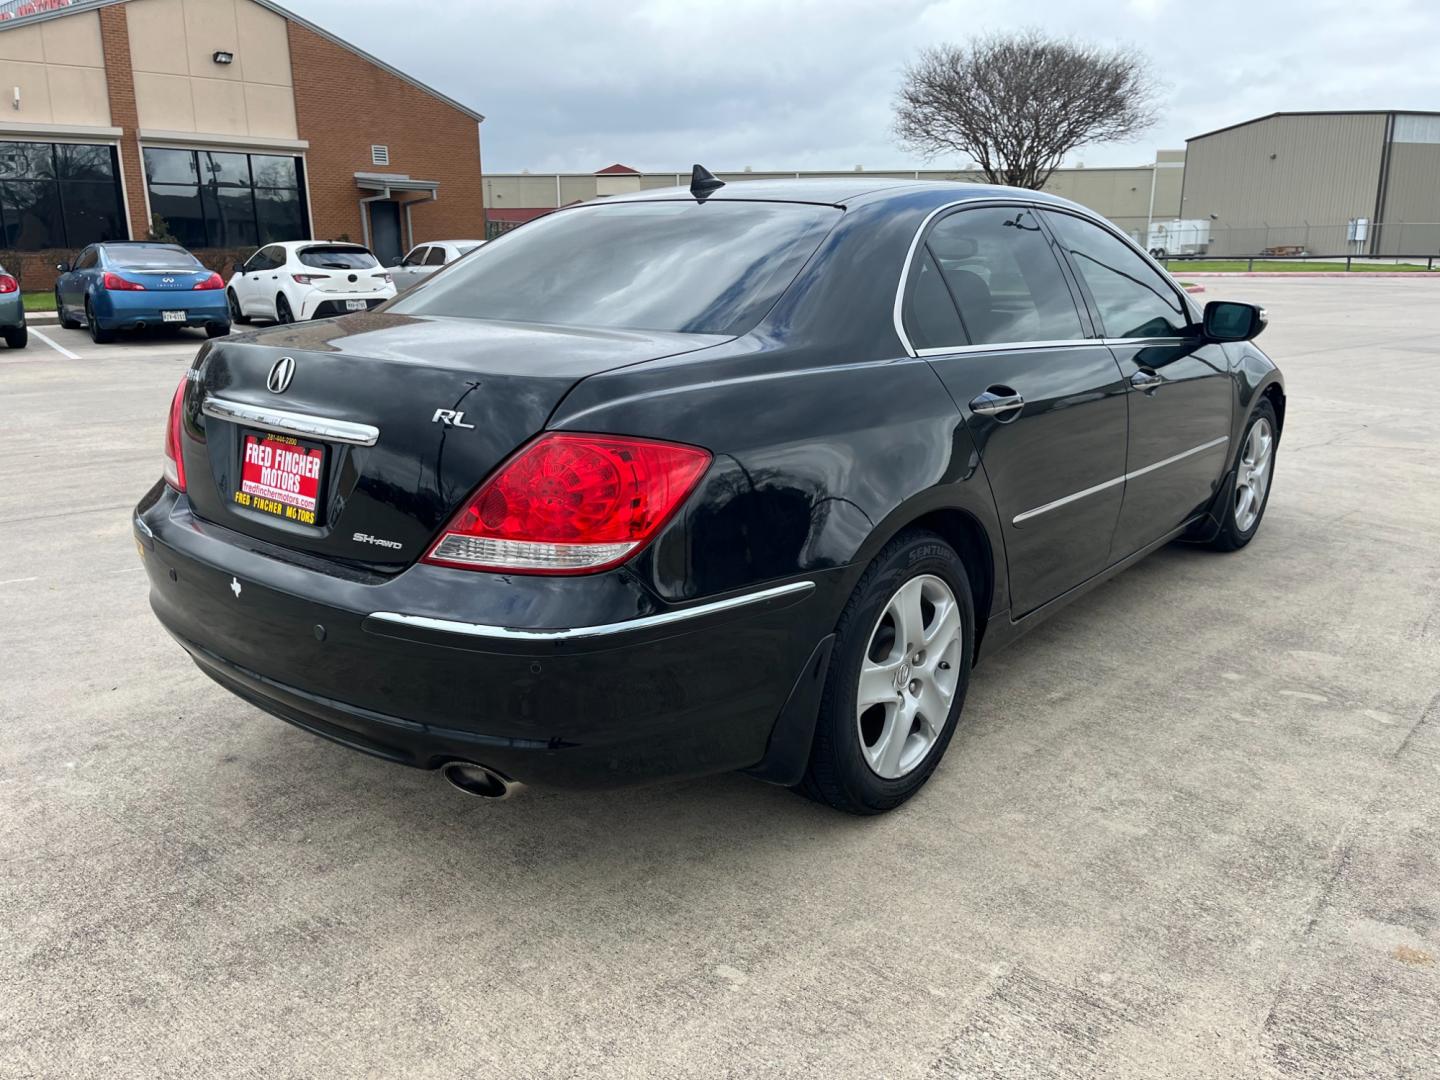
(63, 267)
(1229, 320)
(238, 268)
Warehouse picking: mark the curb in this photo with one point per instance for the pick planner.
(41, 318)
(1422, 274)
(1193, 289)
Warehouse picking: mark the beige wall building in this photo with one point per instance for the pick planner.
(223, 124)
(1307, 180)
(1129, 196)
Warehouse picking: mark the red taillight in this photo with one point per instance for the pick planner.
(212, 282)
(571, 504)
(116, 283)
(310, 279)
(174, 460)
(8, 284)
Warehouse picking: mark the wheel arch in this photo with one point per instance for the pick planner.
(1275, 394)
(964, 532)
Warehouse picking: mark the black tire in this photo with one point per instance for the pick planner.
(16, 337)
(237, 313)
(1231, 536)
(838, 773)
(66, 323)
(216, 329)
(98, 334)
(283, 314)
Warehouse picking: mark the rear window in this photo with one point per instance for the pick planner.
(152, 257)
(338, 258)
(702, 268)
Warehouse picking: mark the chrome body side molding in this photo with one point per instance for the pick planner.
(1066, 500)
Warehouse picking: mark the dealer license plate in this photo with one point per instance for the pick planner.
(356, 305)
(281, 476)
(172, 316)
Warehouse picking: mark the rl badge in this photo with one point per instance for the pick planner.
(281, 476)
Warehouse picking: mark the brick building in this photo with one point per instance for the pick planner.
(226, 124)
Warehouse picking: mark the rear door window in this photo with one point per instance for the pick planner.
(435, 256)
(1132, 299)
(931, 320)
(713, 267)
(1004, 276)
(338, 258)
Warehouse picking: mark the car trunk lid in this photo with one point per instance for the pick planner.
(407, 414)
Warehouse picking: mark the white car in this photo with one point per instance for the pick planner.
(425, 259)
(307, 279)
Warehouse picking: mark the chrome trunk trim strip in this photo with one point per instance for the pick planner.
(291, 423)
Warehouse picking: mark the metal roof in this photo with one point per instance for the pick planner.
(285, 13)
(1314, 112)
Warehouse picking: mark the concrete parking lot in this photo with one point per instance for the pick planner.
(1190, 827)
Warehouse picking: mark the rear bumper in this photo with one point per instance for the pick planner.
(125, 310)
(641, 695)
(12, 311)
(320, 305)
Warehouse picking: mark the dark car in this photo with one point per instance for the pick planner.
(735, 478)
(138, 285)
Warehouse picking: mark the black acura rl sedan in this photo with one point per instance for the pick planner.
(713, 478)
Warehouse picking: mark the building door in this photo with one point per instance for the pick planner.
(385, 231)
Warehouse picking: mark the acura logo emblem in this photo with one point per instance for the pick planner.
(280, 375)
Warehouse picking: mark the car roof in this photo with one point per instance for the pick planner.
(140, 243)
(293, 245)
(847, 191)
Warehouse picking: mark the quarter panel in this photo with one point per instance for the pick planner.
(814, 468)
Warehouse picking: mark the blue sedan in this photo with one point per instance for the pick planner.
(132, 285)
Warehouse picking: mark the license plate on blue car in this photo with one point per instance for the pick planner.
(172, 316)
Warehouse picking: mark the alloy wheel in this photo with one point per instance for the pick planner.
(909, 676)
(1252, 474)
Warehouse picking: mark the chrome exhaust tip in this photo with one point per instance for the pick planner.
(479, 780)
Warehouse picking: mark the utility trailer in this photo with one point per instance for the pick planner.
(1183, 236)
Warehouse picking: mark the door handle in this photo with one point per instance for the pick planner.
(997, 400)
(1145, 379)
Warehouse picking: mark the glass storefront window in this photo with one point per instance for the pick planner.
(58, 195)
(220, 199)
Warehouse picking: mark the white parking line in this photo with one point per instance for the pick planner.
(18, 580)
(55, 345)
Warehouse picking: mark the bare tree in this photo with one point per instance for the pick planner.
(1017, 104)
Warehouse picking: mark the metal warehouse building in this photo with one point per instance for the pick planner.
(1331, 183)
(1130, 196)
(225, 124)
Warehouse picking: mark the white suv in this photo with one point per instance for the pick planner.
(425, 259)
(307, 279)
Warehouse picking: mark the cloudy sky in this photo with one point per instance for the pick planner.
(808, 84)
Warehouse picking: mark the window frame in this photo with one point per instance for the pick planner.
(436, 249)
(417, 254)
(60, 181)
(1096, 317)
(207, 192)
(919, 247)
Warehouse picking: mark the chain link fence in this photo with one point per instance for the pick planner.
(1407, 240)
